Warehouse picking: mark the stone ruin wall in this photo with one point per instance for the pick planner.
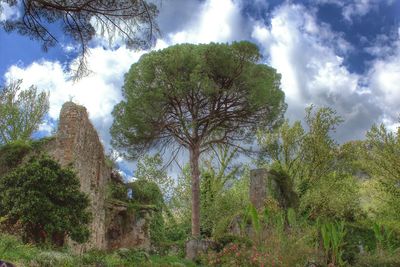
(77, 144)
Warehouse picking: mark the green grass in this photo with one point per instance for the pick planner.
(14, 251)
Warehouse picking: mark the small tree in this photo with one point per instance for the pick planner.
(382, 150)
(196, 96)
(150, 168)
(21, 111)
(45, 199)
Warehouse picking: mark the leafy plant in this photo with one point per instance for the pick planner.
(21, 111)
(117, 191)
(333, 234)
(45, 199)
(383, 236)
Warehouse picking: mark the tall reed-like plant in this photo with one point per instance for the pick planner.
(383, 237)
(333, 234)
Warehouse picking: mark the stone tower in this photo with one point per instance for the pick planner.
(77, 143)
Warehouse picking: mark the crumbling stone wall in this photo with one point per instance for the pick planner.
(271, 184)
(127, 228)
(258, 187)
(77, 144)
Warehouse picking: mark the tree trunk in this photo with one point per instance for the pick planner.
(195, 171)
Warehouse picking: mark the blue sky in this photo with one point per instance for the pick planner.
(339, 53)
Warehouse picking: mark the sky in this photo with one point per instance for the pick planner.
(344, 54)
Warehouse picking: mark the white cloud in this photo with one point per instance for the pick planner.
(355, 8)
(384, 79)
(98, 92)
(216, 21)
(8, 12)
(358, 8)
(310, 58)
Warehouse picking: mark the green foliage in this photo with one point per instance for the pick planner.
(334, 197)
(228, 204)
(160, 81)
(284, 146)
(227, 239)
(21, 112)
(360, 237)
(11, 154)
(219, 176)
(53, 258)
(151, 168)
(312, 169)
(285, 192)
(333, 234)
(382, 161)
(148, 193)
(273, 244)
(13, 250)
(117, 191)
(384, 237)
(378, 259)
(46, 200)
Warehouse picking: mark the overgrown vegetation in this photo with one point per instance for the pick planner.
(13, 250)
(327, 204)
(44, 201)
(21, 111)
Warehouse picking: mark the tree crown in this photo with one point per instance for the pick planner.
(196, 96)
(21, 111)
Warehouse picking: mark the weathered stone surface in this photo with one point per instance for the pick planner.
(127, 228)
(258, 187)
(196, 247)
(77, 144)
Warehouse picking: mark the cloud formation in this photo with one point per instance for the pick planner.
(98, 92)
(310, 58)
(309, 55)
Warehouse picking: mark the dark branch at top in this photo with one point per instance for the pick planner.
(131, 21)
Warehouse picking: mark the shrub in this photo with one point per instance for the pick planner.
(11, 155)
(335, 196)
(12, 249)
(227, 239)
(378, 259)
(46, 201)
(148, 193)
(51, 259)
(117, 191)
(359, 237)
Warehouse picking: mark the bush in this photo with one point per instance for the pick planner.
(378, 259)
(46, 201)
(117, 191)
(12, 249)
(227, 239)
(11, 155)
(51, 259)
(148, 193)
(358, 237)
(334, 197)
